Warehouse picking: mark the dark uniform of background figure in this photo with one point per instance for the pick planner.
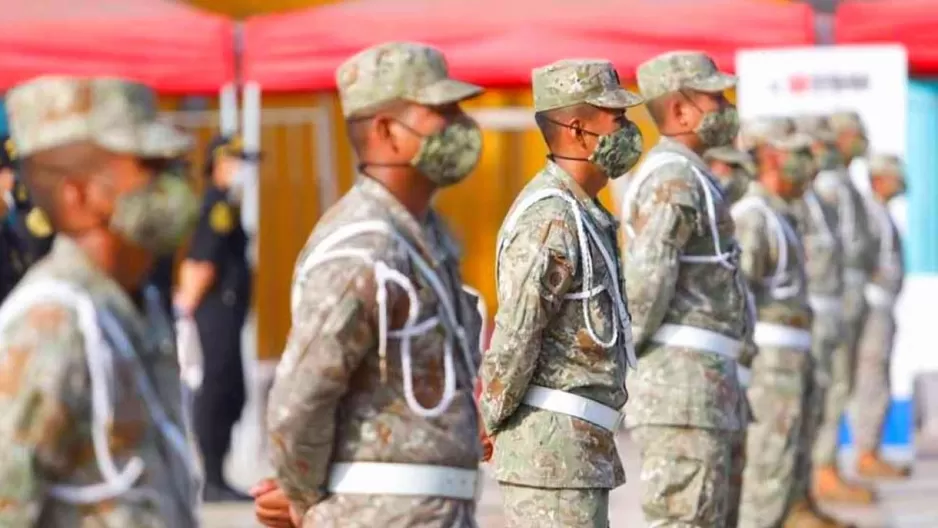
(25, 232)
(163, 276)
(220, 305)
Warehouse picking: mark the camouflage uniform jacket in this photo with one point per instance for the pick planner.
(816, 221)
(329, 403)
(781, 293)
(48, 394)
(678, 385)
(859, 252)
(889, 270)
(541, 338)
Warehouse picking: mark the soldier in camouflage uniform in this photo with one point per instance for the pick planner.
(833, 187)
(93, 429)
(734, 170)
(885, 180)
(372, 419)
(689, 301)
(554, 377)
(773, 261)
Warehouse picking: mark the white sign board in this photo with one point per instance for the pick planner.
(871, 80)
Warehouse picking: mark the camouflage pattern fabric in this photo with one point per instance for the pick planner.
(398, 71)
(872, 391)
(737, 468)
(542, 339)
(835, 189)
(45, 402)
(527, 507)
(579, 81)
(780, 376)
(675, 386)
(685, 475)
(115, 114)
(329, 403)
(681, 70)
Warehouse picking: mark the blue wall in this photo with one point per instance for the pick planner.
(3, 118)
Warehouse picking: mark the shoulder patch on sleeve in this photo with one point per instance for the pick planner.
(38, 223)
(221, 218)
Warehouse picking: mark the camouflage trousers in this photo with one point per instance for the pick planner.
(528, 507)
(843, 367)
(781, 379)
(390, 511)
(685, 475)
(737, 466)
(871, 388)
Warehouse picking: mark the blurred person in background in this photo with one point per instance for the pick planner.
(691, 313)
(93, 429)
(734, 170)
(214, 292)
(874, 353)
(773, 263)
(372, 417)
(554, 377)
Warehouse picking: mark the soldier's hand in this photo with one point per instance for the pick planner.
(271, 506)
(488, 448)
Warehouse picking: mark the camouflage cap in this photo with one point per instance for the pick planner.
(777, 132)
(679, 70)
(398, 71)
(816, 126)
(847, 120)
(886, 164)
(579, 81)
(731, 156)
(115, 114)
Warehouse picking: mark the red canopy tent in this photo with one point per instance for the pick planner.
(911, 23)
(170, 46)
(497, 42)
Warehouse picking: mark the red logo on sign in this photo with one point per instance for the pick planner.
(799, 83)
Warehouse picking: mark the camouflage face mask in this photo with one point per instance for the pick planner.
(828, 158)
(159, 216)
(799, 168)
(449, 156)
(718, 128)
(616, 153)
(858, 146)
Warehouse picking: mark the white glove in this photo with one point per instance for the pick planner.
(191, 361)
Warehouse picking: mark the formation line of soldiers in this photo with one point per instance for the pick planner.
(372, 418)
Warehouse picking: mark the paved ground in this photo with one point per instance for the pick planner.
(909, 504)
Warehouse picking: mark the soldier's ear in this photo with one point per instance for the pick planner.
(575, 130)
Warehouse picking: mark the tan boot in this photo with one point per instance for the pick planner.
(832, 522)
(870, 465)
(802, 515)
(830, 486)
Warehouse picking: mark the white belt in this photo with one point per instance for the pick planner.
(878, 296)
(379, 478)
(563, 402)
(774, 335)
(825, 303)
(697, 339)
(744, 375)
(854, 277)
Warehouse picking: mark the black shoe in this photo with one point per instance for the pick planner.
(215, 492)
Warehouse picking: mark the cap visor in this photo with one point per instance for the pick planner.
(620, 98)
(717, 82)
(796, 141)
(446, 91)
(728, 155)
(161, 140)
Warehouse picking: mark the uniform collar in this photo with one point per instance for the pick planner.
(756, 188)
(415, 230)
(595, 209)
(667, 143)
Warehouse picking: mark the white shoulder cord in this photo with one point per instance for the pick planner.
(326, 251)
(817, 213)
(886, 242)
(99, 358)
(784, 235)
(656, 161)
(588, 291)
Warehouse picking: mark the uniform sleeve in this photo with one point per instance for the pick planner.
(755, 251)
(43, 386)
(216, 222)
(664, 222)
(334, 327)
(535, 270)
(863, 252)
